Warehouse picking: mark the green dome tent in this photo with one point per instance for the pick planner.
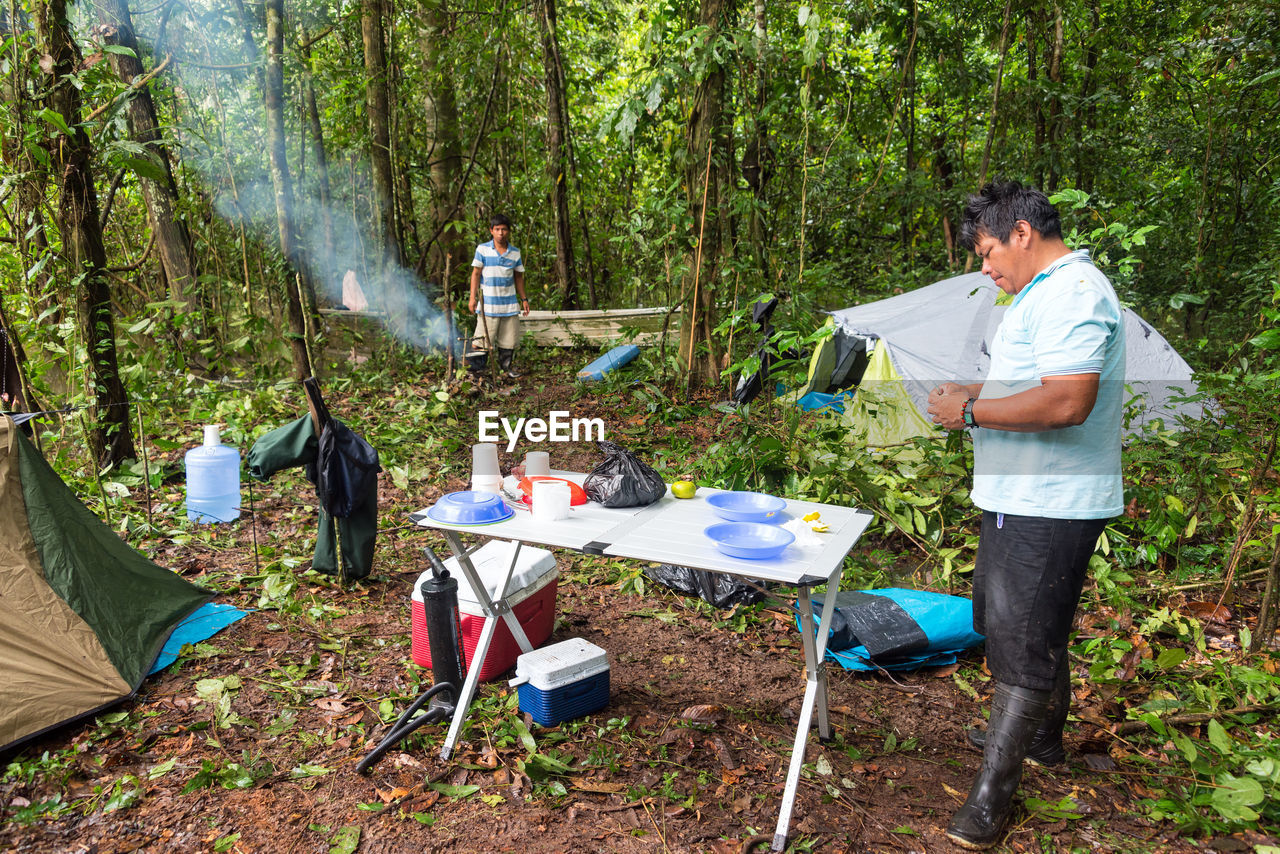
(890, 353)
(84, 614)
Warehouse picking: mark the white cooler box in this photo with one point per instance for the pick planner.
(563, 681)
(533, 602)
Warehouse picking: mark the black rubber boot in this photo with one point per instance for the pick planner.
(504, 362)
(1046, 748)
(1015, 714)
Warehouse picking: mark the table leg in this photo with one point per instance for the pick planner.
(793, 770)
(491, 608)
(504, 610)
(463, 702)
(815, 693)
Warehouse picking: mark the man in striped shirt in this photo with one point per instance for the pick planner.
(497, 273)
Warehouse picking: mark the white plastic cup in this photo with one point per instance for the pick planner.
(487, 483)
(537, 464)
(550, 500)
(484, 460)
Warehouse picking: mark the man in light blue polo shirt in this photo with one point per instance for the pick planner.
(1046, 425)
(497, 290)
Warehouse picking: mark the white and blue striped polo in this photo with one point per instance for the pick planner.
(498, 278)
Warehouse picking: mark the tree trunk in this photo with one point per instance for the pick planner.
(995, 109)
(1053, 138)
(159, 191)
(558, 155)
(756, 158)
(1034, 19)
(30, 179)
(909, 136)
(109, 435)
(332, 276)
(377, 107)
(1269, 607)
(1089, 123)
(15, 391)
(944, 170)
(995, 95)
(707, 142)
(441, 111)
(295, 286)
(406, 219)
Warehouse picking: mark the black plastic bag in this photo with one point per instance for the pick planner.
(622, 480)
(716, 588)
(346, 469)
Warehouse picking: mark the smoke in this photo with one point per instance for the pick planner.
(333, 243)
(222, 139)
(396, 296)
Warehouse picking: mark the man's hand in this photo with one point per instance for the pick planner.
(946, 405)
(1059, 401)
(472, 303)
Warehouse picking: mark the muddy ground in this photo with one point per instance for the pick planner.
(689, 755)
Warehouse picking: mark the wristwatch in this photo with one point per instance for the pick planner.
(967, 414)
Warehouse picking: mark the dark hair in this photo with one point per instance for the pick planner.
(1000, 204)
(499, 219)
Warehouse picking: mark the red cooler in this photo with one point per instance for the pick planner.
(532, 600)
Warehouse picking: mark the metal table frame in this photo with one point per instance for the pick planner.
(670, 531)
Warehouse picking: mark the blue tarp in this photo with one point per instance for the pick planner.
(898, 629)
(203, 623)
(816, 400)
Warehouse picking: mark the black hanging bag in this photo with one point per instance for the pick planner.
(346, 469)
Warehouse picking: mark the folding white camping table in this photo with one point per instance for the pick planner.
(670, 531)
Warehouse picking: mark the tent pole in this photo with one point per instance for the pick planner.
(146, 466)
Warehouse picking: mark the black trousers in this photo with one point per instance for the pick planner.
(1026, 585)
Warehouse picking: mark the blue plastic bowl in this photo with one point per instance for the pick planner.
(747, 507)
(750, 540)
(470, 508)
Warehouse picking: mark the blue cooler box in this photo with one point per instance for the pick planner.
(563, 681)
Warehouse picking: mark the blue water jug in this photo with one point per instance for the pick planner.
(213, 480)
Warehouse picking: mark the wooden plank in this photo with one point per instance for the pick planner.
(594, 327)
(342, 312)
(597, 327)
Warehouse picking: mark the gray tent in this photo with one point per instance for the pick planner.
(942, 332)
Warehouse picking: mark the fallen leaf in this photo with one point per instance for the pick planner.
(1209, 612)
(1100, 762)
(330, 704)
(723, 753)
(393, 794)
(702, 713)
(952, 792)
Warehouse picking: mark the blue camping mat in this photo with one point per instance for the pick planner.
(897, 629)
(201, 624)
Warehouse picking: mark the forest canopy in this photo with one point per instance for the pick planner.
(186, 180)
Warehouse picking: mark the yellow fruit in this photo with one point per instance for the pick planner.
(683, 489)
